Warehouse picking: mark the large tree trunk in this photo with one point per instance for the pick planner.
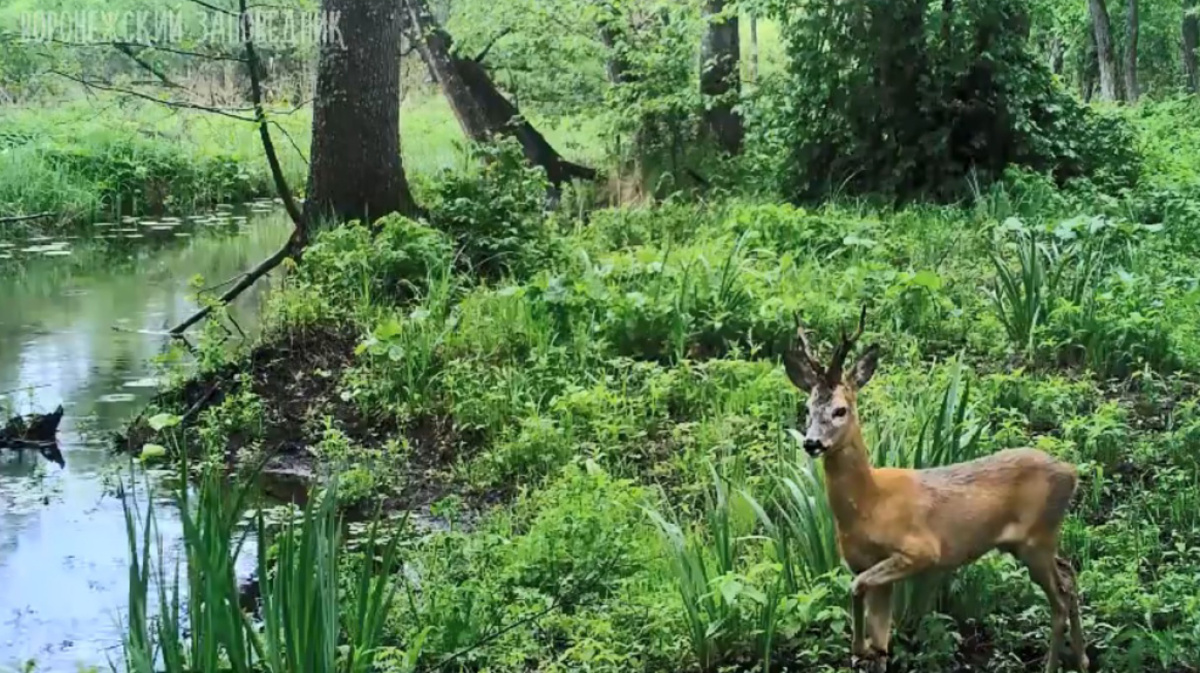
(1106, 57)
(1191, 43)
(720, 80)
(481, 109)
(356, 170)
(1132, 92)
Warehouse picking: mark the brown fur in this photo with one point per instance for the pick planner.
(896, 523)
(893, 524)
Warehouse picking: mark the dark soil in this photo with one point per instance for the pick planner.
(296, 376)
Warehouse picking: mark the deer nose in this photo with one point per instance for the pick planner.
(814, 447)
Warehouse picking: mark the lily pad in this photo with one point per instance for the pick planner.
(57, 252)
(115, 398)
(148, 382)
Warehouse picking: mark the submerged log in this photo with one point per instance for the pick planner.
(35, 431)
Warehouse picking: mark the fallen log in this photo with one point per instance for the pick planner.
(35, 431)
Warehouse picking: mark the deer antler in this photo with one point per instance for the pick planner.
(806, 349)
(834, 373)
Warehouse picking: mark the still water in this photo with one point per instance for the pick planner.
(77, 324)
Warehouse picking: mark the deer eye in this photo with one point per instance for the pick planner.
(839, 412)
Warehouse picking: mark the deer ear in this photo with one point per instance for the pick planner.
(801, 372)
(864, 369)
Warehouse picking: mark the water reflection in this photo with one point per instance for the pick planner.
(62, 534)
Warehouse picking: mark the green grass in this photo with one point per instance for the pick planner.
(616, 386)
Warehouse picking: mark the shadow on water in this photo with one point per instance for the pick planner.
(63, 551)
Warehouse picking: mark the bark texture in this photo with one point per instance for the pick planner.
(753, 48)
(1132, 91)
(720, 78)
(356, 170)
(482, 111)
(1106, 57)
(1191, 45)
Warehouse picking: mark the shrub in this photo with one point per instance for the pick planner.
(391, 262)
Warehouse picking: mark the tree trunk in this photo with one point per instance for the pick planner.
(1056, 55)
(1106, 57)
(720, 81)
(1132, 92)
(481, 109)
(1191, 43)
(754, 48)
(356, 170)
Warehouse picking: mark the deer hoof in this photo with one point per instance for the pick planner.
(873, 661)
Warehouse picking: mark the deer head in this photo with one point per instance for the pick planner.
(832, 396)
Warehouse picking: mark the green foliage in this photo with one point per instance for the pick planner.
(391, 261)
(495, 215)
(306, 606)
(931, 102)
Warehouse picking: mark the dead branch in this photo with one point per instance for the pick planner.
(24, 218)
(91, 84)
(157, 47)
(146, 65)
(483, 54)
(299, 237)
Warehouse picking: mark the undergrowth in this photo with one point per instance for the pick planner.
(596, 419)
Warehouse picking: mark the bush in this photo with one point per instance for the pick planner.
(906, 101)
(495, 214)
(391, 262)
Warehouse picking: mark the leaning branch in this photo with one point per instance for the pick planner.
(299, 237)
(24, 218)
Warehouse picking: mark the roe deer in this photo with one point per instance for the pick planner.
(895, 523)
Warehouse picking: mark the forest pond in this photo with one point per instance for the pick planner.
(80, 321)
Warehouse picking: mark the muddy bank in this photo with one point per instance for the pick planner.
(296, 378)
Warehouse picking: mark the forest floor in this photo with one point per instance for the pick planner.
(597, 417)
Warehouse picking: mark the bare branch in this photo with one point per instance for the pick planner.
(483, 54)
(299, 237)
(146, 65)
(24, 218)
(137, 94)
(222, 10)
(157, 47)
(291, 140)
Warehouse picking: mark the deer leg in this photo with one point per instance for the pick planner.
(858, 642)
(888, 571)
(879, 623)
(1068, 586)
(1044, 571)
(879, 617)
